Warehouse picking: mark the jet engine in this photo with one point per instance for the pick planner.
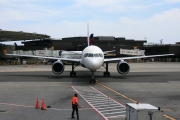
(123, 67)
(58, 67)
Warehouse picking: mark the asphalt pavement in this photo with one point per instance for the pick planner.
(155, 83)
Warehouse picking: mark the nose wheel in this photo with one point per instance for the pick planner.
(92, 80)
(72, 73)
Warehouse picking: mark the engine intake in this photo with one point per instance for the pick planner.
(123, 67)
(58, 67)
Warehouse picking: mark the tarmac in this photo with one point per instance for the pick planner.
(155, 83)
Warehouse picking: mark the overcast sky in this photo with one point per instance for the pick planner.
(152, 20)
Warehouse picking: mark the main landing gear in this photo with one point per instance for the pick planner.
(73, 73)
(92, 80)
(106, 73)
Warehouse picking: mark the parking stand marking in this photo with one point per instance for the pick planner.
(104, 105)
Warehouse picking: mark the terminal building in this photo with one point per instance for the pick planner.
(164, 49)
(106, 43)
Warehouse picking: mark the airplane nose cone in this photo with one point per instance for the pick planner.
(94, 64)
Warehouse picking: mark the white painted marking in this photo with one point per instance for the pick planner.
(25, 106)
(94, 99)
(93, 96)
(112, 110)
(103, 104)
(115, 112)
(117, 116)
(110, 107)
(98, 101)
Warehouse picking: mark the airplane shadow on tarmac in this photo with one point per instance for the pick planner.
(82, 76)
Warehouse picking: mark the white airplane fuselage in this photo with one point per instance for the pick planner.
(92, 58)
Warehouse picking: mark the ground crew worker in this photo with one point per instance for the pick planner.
(75, 106)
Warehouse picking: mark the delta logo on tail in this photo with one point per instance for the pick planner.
(90, 39)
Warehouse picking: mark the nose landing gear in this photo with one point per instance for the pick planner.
(92, 80)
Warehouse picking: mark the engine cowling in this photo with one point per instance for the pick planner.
(58, 67)
(123, 67)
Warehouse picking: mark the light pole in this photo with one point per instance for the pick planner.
(161, 41)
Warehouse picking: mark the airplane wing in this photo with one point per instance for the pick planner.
(44, 57)
(128, 58)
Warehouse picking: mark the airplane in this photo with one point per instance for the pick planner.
(92, 58)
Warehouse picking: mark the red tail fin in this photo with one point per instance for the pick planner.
(91, 39)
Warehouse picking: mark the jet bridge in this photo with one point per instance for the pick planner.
(133, 52)
(52, 53)
(72, 54)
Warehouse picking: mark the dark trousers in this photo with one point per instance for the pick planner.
(75, 108)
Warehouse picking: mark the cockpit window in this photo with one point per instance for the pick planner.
(100, 55)
(96, 55)
(93, 55)
(90, 55)
(85, 55)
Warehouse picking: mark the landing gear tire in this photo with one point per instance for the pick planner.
(73, 74)
(106, 74)
(92, 81)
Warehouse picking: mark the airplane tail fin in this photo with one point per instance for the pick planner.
(90, 39)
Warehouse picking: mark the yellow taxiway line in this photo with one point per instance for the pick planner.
(124, 96)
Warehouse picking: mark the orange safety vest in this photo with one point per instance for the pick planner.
(74, 100)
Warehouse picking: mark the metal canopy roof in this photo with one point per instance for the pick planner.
(20, 35)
